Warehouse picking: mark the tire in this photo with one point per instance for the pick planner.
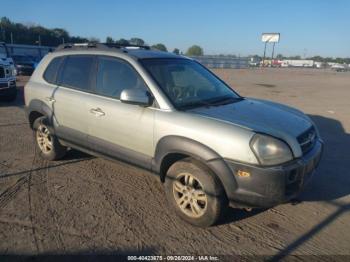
(202, 200)
(47, 144)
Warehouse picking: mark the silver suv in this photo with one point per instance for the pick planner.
(170, 115)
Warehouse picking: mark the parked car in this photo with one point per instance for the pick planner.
(35, 59)
(340, 67)
(170, 115)
(6, 58)
(24, 65)
(8, 90)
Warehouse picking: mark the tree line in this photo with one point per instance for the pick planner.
(32, 34)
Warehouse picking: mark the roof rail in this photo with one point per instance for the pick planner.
(127, 46)
(74, 46)
(103, 46)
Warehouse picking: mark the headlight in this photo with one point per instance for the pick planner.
(269, 150)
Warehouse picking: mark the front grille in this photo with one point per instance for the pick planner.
(4, 85)
(307, 140)
(2, 72)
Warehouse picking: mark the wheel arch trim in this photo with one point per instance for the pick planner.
(40, 107)
(185, 146)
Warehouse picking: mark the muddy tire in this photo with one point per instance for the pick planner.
(195, 193)
(47, 144)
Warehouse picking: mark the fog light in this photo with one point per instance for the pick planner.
(243, 173)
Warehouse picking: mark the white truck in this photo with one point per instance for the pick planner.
(297, 63)
(8, 90)
(340, 67)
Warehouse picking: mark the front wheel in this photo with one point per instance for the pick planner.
(47, 143)
(195, 193)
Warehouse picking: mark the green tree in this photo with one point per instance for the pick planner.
(122, 41)
(94, 40)
(160, 47)
(60, 33)
(317, 58)
(136, 41)
(339, 60)
(176, 51)
(195, 50)
(279, 57)
(109, 40)
(296, 57)
(29, 34)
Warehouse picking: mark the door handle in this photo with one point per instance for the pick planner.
(97, 111)
(50, 99)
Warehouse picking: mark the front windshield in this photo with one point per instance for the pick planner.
(187, 83)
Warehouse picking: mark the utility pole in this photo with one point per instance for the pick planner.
(273, 50)
(11, 38)
(264, 54)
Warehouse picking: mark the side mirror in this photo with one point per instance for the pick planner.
(136, 96)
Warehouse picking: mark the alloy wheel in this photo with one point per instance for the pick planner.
(44, 139)
(189, 195)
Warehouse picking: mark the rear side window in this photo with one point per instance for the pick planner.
(52, 70)
(77, 72)
(115, 75)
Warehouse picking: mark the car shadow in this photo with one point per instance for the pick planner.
(234, 215)
(73, 154)
(331, 180)
(18, 102)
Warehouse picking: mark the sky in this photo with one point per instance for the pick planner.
(307, 27)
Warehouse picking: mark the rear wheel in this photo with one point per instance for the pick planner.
(195, 193)
(47, 143)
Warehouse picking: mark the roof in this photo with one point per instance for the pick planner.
(134, 51)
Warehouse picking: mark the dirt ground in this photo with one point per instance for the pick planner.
(84, 204)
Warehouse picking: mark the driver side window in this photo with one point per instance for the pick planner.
(114, 76)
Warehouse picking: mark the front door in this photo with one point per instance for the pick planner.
(119, 130)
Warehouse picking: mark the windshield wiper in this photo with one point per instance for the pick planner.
(211, 102)
(226, 100)
(194, 105)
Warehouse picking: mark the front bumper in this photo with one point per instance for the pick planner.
(269, 186)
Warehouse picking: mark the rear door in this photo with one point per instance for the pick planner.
(116, 129)
(69, 99)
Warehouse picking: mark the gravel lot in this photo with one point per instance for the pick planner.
(84, 204)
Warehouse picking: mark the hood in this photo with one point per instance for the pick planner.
(260, 116)
(4, 61)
